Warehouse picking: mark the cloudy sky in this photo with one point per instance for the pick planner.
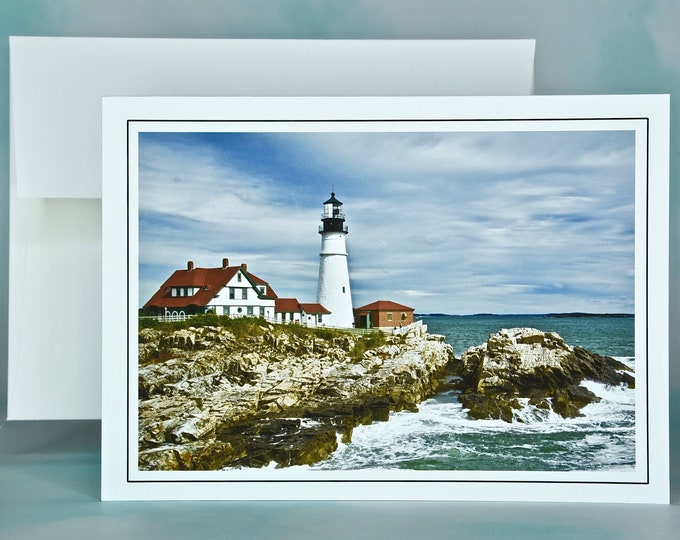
(502, 222)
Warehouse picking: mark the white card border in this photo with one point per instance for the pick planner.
(414, 485)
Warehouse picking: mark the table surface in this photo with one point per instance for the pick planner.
(50, 481)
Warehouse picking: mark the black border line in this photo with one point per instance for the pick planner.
(647, 297)
(647, 120)
(127, 330)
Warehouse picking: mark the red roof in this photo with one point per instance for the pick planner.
(291, 305)
(313, 308)
(209, 281)
(384, 305)
(286, 305)
(269, 292)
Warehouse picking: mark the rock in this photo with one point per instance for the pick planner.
(284, 441)
(181, 339)
(274, 395)
(524, 362)
(567, 402)
(200, 457)
(194, 428)
(164, 459)
(498, 406)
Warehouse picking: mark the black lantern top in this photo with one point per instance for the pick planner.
(333, 217)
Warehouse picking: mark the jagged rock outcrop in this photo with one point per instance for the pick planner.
(209, 399)
(527, 363)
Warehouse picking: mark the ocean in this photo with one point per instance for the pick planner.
(440, 436)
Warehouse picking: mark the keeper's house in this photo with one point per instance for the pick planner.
(383, 314)
(228, 290)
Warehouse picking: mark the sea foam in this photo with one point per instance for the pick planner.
(441, 436)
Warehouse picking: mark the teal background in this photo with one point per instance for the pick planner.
(49, 471)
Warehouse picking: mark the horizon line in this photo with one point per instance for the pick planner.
(537, 314)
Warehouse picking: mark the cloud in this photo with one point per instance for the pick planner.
(452, 222)
(417, 294)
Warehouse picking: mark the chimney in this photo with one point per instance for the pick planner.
(190, 265)
(244, 267)
(225, 262)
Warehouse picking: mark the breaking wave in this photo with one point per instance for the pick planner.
(440, 436)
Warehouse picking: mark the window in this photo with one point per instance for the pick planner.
(250, 310)
(343, 289)
(389, 316)
(238, 277)
(232, 293)
(183, 291)
(244, 294)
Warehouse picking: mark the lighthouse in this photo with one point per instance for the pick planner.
(333, 290)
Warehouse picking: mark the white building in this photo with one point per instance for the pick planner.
(232, 291)
(289, 310)
(333, 288)
(226, 290)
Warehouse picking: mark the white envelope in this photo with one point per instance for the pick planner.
(56, 86)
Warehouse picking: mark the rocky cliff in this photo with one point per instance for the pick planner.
(539, 366)
(210, 399)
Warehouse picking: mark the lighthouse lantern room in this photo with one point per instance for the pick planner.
(333, 289)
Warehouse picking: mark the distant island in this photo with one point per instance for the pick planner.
(570, 315)
(577, 315)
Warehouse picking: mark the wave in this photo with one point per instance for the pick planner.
(629, 361)
(441, 436)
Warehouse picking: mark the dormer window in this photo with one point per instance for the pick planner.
(183, 291)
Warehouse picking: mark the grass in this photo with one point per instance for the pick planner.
(241, 326)
(367, 342)
(253, 326)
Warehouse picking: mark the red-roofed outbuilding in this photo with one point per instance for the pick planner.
(314, 314)
(290, 310)
(383, 314)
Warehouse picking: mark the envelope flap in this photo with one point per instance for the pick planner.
(56, 85)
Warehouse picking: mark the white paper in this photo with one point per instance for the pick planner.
(56, 86)
(646, 117)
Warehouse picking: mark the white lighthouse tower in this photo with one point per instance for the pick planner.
(333, 291)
